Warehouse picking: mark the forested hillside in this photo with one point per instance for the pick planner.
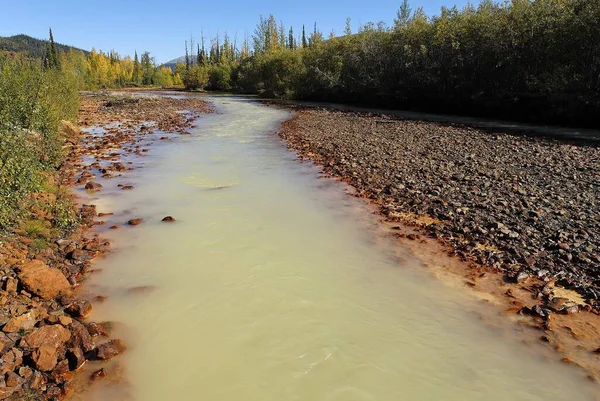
(528, 60)
(31, 47)
(92, 70)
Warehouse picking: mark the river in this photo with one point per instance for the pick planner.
(274, 285)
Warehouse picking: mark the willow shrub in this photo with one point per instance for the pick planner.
(32, 104)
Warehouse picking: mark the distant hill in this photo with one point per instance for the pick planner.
(171, 64)
(31, 46)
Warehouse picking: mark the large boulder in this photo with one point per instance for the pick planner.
(43, 281)
(70, 132)
(52, 336)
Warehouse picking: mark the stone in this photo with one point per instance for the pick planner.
(559, 304)
(65, 320)
(102, 329)
(169, 219)
(99, 374)
(13, 379)
(66, 300)
(25, 372)
(6, 392)
(61, 372)
(11, 285)
(569, 310)
(54, 393)
(70, 131)
(45, 358)
(81, 308)
(135, 222)
(37, 380)
(81, 337)
(89, 211)
(25, 322)
(522, 276)
(111, 349)
(93, 186)
(540, 311)
(67, 389)
(81, 255)
(6, 342)
(43, 281)
(76, 358)
(11, 360)
(48, 336)
(119, 166)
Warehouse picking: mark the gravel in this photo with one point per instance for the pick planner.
(516, 203)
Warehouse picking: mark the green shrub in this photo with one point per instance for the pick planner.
(32, 104)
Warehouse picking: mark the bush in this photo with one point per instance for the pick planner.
(220, 77)
(32, 104)
(196, 77)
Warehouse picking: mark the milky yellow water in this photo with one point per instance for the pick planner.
(273, 286)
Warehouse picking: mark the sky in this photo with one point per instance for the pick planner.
(162, 26)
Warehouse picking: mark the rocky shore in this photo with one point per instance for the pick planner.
(522, 208)
(45, 338)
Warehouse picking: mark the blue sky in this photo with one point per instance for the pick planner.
(161, 27)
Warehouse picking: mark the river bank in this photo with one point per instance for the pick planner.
(46, 339)
(522, 211)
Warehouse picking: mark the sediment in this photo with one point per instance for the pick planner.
(45, 338)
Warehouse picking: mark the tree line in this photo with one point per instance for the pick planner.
(531, 60)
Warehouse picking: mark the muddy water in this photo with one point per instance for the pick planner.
(273, 285)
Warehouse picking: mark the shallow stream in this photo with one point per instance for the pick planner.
(274, 285)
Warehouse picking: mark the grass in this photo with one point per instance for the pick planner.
(36, 229)
(39, 244)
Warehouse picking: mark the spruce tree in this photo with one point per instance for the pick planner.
(52, 51)
(187, 57)
(203, 59)
(47, 56)
(192, 50)
(147, 69)
(282, 41)
(52, 57)
(136, 69)
(291, 39)
(304, 43)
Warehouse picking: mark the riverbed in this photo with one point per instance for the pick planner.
(275, 284)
